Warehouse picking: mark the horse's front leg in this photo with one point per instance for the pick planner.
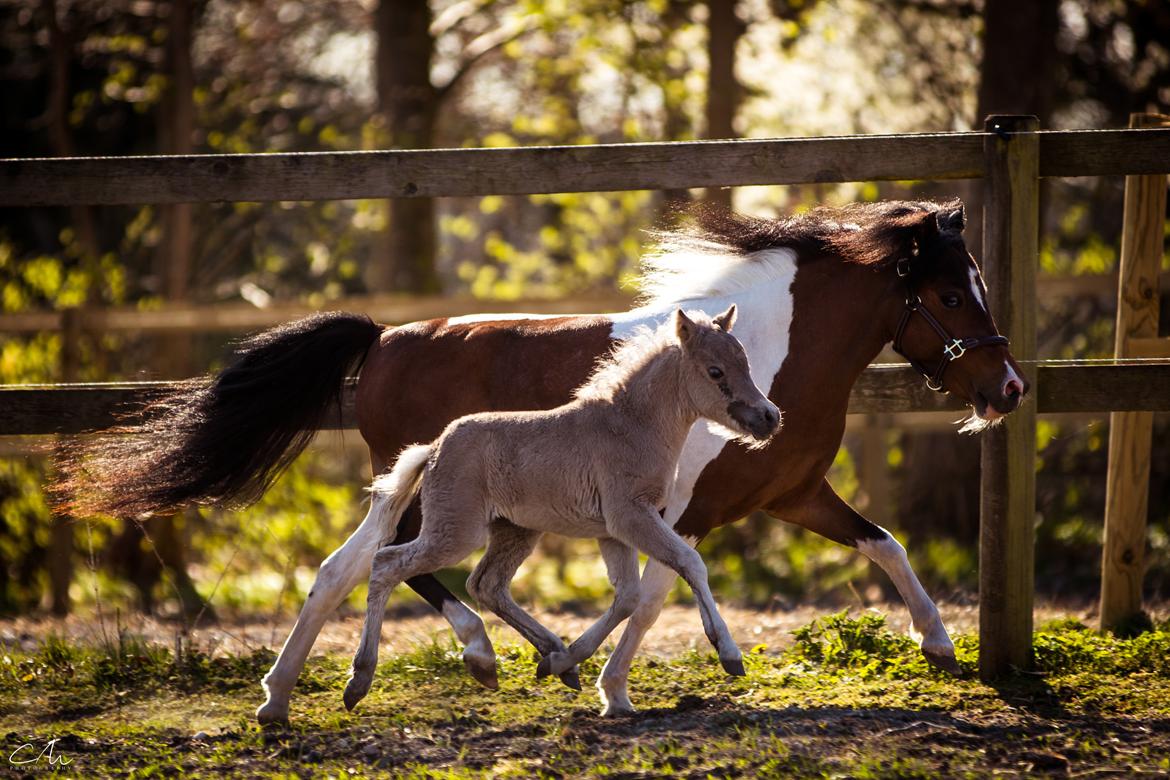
(639, 525)
(621, 563)
(490, 585)
(828, 515)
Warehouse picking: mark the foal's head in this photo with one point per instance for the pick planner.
(718, 377)
(946, 317)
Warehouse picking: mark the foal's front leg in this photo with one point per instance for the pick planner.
(489, 584)
(638, 524)
(621, 563)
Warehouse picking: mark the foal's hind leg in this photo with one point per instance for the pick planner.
(621, 562)
(338, 575)
(508, 546)
(828, 515)
(445, 545)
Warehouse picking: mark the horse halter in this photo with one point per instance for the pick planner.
(953, 348)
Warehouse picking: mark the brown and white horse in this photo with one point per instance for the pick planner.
(819, 296)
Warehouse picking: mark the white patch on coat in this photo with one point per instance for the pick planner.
(978, 289)
(765, 307)
(708, 278)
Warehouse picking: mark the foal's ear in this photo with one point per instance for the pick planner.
(684, 326)
(726, 320)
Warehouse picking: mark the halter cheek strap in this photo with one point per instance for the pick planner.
(953, 348)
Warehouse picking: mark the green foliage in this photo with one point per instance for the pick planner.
(1069, 647)
(840, 642)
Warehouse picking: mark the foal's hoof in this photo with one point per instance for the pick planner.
(571, 678)
(484, 674)
(943, 661)
(544, 668)
(354, 692)
(271, 714)
(733, 666)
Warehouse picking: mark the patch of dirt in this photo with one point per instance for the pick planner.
(706, 736)
(678, 629)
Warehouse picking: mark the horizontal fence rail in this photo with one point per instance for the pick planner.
(53, 409)
(551, 169)
(239, 316)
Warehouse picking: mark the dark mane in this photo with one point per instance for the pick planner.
(863, 233)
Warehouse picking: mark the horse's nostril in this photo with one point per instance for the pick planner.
(1013, 389)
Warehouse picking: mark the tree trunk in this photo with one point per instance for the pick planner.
(1016, 77)
(724, 29)
(409, 103)
(173, 268)
(59, 558)
(940, 493)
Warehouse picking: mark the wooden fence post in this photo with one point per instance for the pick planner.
(1008, 471)
(1130, 433)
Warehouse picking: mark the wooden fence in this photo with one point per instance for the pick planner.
(1011, 156)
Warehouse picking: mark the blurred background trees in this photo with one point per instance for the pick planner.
(108, 77)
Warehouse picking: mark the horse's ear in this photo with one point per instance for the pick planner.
(726, 320)
(950, 220)
(684, 326)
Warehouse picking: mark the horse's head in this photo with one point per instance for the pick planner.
(945, 329)
(719, 378)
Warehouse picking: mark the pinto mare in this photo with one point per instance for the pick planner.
(819, 295)
(598, 467)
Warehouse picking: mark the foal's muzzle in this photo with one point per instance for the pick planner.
(760, 421)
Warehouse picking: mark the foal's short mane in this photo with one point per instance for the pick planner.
(717, 252)
(614, 370)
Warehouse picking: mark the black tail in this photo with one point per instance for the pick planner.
(222, 440)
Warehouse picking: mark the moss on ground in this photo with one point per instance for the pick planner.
(849, 698)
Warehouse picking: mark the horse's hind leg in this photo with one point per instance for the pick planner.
(489, 584)
(621, 563)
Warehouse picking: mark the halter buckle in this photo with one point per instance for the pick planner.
(936, 387)
(954, 350)
(903, 267)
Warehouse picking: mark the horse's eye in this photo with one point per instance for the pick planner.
(952, 300)
(714, 372)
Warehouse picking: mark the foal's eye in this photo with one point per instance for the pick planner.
(714, 372)
(952, 300)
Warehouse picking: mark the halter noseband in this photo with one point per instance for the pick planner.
(953, 348)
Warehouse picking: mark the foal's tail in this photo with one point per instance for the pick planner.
(398, 486)
(221, 440)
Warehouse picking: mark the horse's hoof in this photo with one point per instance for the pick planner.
(544, 668)
(943, 661)
(733, 666)
(571, 678)
(270, 714)
(484, 674)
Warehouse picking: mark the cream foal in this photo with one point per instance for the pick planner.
(598, 467)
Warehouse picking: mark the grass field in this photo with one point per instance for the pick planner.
(847, 698)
